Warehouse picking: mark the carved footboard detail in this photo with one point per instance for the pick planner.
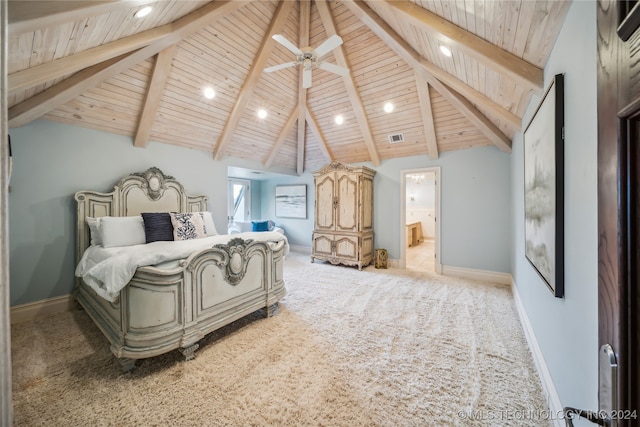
(236, 260)
(163, 310)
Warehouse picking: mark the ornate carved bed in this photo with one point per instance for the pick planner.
(175, 305)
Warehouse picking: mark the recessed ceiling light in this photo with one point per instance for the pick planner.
(339, 119)
(262, 114)
(388, 107)
(143, 12)
(445, 50)
(209, 93)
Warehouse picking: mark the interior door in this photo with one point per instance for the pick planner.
(618, 203)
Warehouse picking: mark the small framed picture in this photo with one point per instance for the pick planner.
(291, 201)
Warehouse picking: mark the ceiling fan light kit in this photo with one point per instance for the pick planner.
(309, 58)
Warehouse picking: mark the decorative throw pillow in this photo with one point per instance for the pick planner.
(187, 226)
(259, 225)
(157, 226)
(122, 231)
(209, 226)
(94, 231)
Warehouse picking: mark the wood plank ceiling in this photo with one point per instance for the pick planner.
(93, 64)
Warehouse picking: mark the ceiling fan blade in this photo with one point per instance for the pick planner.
(328, 45)
(333, 68)
(279, 67)
(306, 78)
(286, 43)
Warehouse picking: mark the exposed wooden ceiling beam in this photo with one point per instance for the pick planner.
(322, 141)
(413, 58)
(500, 60)
(352, 89)
(282, 137)
(427, 117)
(68, 89)
(305, 18)
(155, 89)
(257, 68)
(40, 104)
(61, 67)
(472, 114)
(39, 74)
(423, 67)
(30, 15)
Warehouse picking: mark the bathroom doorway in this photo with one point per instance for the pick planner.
(420, 220)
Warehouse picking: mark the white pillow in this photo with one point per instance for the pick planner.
(187, 226)
(94, 230)
(122, 231)
(209, 226)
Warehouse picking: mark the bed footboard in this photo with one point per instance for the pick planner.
(162, 310)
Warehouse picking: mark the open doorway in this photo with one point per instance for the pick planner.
(420, 219)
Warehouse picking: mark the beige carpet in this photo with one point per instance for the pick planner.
(348, 348)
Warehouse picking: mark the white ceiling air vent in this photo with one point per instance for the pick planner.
(395, 138)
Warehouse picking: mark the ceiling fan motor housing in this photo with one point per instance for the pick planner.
(308, 59)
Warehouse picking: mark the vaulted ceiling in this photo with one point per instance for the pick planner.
(93, 64)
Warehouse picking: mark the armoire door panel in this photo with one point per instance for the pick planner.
(347, 247)
(325, 198)
(323, 244)
(347, 207)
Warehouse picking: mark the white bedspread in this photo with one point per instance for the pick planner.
(108, 270)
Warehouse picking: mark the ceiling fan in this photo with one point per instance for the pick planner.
(310, 58)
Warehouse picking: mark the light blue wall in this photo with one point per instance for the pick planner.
(476, 207)
(567, 329)
(256, 199)
(50, 163)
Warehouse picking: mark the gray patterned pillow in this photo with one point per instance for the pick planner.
(187, 226)
(157, 226)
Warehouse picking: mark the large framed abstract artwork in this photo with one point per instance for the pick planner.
(291, 201)
(544, 188)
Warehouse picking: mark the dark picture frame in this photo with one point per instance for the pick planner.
(291, 201)
(544, 188)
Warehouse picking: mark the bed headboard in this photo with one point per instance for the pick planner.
(148, 191)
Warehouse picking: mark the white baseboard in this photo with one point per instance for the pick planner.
(393, 263)
(548, 388)
(483, 275)
(20, 313)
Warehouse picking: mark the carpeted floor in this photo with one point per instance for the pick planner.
(348, 348)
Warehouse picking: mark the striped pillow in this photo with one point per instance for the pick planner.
(157, 226)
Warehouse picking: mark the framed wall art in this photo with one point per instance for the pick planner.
(291, 201)
(544, 188)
